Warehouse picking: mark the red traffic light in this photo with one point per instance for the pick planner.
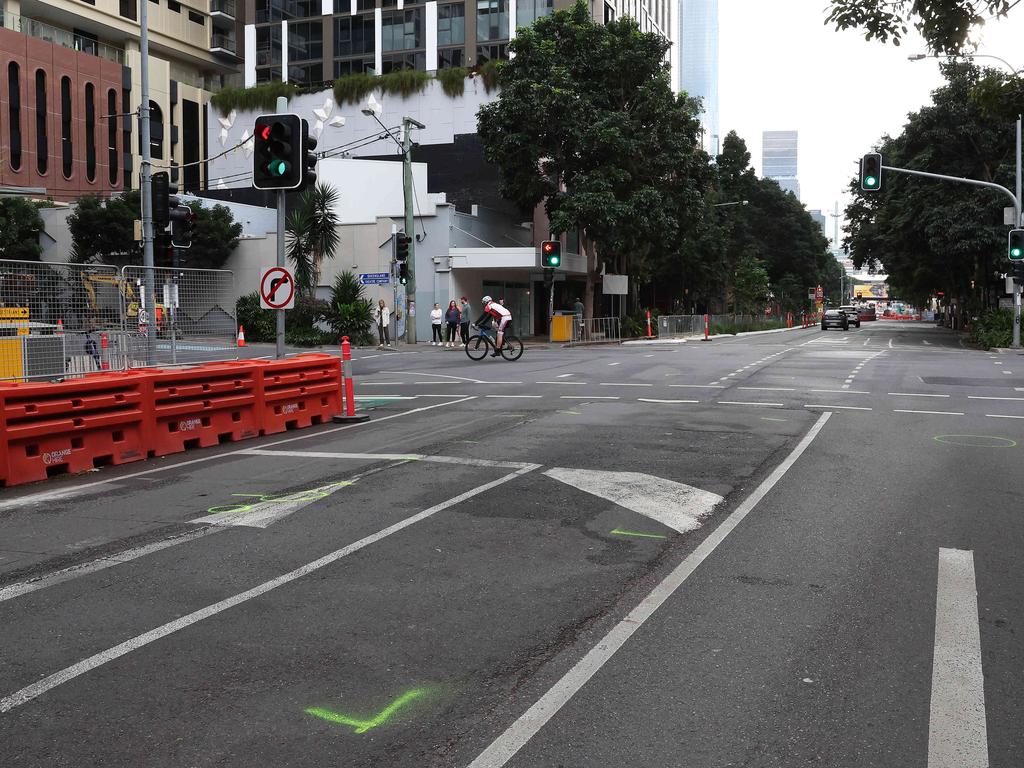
(264, 132)
(549, 247)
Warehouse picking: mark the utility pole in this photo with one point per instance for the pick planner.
(1017, 273)
(835, 250)
(149, 299)
(410, 289)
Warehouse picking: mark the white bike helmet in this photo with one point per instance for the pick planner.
(487, 299)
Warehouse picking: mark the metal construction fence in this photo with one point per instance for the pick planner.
(60, 320)
(677, 326)
(596, 330)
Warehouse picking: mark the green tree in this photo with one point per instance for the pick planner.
(944, 24)
(751, 285)
(312, 235)
(20, 227)
(104, 231)
(215, 236)
(349, 313)
(586, 123)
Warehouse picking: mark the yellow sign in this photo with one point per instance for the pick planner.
(13, 313)
(871, 290)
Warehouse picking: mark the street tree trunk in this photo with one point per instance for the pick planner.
(593, 272)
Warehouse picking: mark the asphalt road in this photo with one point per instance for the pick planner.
(787, 549)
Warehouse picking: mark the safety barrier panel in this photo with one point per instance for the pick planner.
(299, 391)
(51, 429)
(203, 406)
(596, 330)
(116, 418)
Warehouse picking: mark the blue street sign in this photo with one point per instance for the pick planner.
(375, 278)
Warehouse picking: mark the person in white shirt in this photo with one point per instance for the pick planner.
(494, 311)
(435, 324)
(382, 317)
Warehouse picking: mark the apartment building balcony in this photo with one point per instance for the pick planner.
(222, 13)
(222, 44)
(42, 30)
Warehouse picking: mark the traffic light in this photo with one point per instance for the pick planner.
(161, 190)
(401, 247)
(279, 160)
(871, 172)
(1016, 243)
(551, 253)
(308, 157)
(182, 222)
(403, 273)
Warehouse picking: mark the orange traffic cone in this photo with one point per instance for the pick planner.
(241, 335)
(60, 326)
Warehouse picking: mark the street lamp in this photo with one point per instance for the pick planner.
(737, 202)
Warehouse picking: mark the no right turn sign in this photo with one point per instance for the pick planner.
(277, 288)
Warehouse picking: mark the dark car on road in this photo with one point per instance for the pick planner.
(835, 318)
(853, 313)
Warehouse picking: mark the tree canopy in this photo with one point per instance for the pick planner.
(20, 227)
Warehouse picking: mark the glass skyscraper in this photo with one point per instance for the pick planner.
(779, 159)
(698, 62)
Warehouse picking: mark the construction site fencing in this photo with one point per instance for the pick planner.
(680, 326)
(596, 330)
(62, 320)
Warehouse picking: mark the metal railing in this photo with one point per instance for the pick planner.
(63, 37)
(227, 7)
(680, 326)
(595, 330)
(62, 321)
(220, 40)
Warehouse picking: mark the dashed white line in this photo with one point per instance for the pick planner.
(623, 384)
(652, 400)
(610, 364)
(738, 402)
(842, 407)
(511, 397)
(589, 397)
(931, 413)
(1002, 416)
(914, 394)
(566, 383)
(709, 386)
(768, 389)
(842, 391)
(564, 375)
(986, 397)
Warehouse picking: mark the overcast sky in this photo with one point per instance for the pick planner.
(781, 68)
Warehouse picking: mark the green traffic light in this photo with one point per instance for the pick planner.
(870, 181)
(278, 167)
(1015, 253)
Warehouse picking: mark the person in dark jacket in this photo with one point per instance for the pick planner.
(452, 318)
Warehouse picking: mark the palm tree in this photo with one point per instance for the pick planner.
(313, 234)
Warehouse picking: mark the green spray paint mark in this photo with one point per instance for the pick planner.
(362, 726)
(621, 532)
(297, 496)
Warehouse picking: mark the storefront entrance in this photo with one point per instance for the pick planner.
(516, 298)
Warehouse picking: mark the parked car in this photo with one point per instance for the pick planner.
(835, 318)
(853, 313)
(866, 313)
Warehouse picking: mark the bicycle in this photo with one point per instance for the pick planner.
(478, 345)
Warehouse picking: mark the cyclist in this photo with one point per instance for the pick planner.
(494, 312)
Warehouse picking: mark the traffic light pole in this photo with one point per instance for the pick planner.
(149, 298)
(282, 106)
(1015, 343)
(410, 225)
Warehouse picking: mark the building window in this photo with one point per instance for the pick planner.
(306, 74)
(90, 132)
(196, 18)
(268, 46)
(402, 30)
(305, 9)
(305, 41)
(66, 146)
(451, 24)
(268, 74)
(528, 11)
(353, 35)
(173, 6)
(90, 2)
(353, 67)
(491, 20)
(42, 146)
(272, 10)
(485, 53)
(130, 9)
(398, 61)
(112, 119)
(451, 57)
(86, 42)
(156, 131)
(609, 13)
(14, 114)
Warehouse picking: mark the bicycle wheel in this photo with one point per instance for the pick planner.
(477, 347)
(512, 349)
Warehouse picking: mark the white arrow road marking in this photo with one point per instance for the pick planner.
(678, 506)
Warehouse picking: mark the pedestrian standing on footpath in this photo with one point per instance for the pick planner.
(435, 325)
(577, 310)
(452, 318)
(382, 316)
(465, 310)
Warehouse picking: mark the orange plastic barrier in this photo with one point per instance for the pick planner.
(74, 426)
(203, 406)
(300, 391)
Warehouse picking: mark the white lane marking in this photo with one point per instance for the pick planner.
(515, 737)
(737, 402)
(438, 376)
(914, 394)
(932, 413)
(648, 355)
(675, 505)
(507, 397)
(363, 398)
(652, 400)
(564, 375)
(264, 513)
(574, 383)
(623, 384)
(1002, 416)
(589, 397)
(768, 389)
(698, 386)
(890, 343)
(842, 391)
(867, 341)
(840, 407)
(985, 397)
(73, 572)
(365, 383)
(429, 458)
(46, 496)
(957, 731)
(996, 363)
(610, 364)
(1008, 373)
(67, 674)
(926, 343)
